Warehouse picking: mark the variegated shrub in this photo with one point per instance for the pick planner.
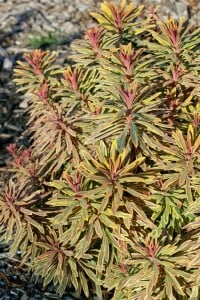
(107, 197)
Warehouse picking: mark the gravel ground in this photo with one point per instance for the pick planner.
(21, 21)
(17, 284)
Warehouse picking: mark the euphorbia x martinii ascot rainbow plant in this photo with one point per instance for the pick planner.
(107, 197)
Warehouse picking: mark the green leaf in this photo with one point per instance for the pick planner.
(34, 223)
(103, 256)
(73, 266)
(91, 274)
(148, 100)
(152, 282)
(121, 140)
(132, 166)
(134, 134)
(97, 227)
(174, 282)
(151, 128)
(168, 288)
(108, 222)
(84, 206)
(161, 40)
(49, 276)
(84, 283)
(99, 18)
(171, 181)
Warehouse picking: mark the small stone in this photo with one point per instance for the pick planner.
(82, 6)
(181, 9)
(3, 52)
(1, 264)
(7, 64)
(71, 28)
(71, 9)
(24, 297)
(14, 293)
(12, 127)
(5, 136)
(66, 15)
